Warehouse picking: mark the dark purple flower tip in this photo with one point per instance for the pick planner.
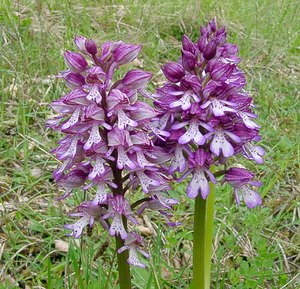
(210, 50)
(125, 53)
(73, 80)
(238, 177)
(213, 25)
(91, 47)
(202, 42)
(173, 71)
(136, 79)
(75, 61)
(188, 45)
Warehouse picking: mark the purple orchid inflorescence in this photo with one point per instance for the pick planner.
(208, 114)
(108, 146)
(115, 143)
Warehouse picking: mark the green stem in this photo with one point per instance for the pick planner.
(123, 266)
(202, 244)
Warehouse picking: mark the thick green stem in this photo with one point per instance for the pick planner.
(123, 266)
(202, 244)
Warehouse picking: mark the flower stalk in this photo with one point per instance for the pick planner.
(202, 243)
(123, 266)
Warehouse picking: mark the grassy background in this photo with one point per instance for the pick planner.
(252, 249)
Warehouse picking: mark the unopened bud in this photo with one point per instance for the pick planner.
(91, 47)
(135, 79)
(210, 50)
(75, 61)
(173, 71)
(125, 53)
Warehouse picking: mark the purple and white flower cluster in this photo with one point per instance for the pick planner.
(108, 143)
(115, 143)
(208, 114)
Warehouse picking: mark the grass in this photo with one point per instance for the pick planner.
(252, 249)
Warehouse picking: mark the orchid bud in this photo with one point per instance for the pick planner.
(91, 47)
(210, 50)
(173, 71)
(213, 25)
(73, 80)
(136, 79)
(187, 44)
(202, 42)
(188, 60)
(75, 61)
(203, 30)
(221, 36)
(125, 53)
(80, 43)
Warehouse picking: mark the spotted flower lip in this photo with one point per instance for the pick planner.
(89, 213)
(133, 243)
(118, 206)
(241, 179)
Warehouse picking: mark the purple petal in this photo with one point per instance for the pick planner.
(173, 71)
(125, 53)
(75, 61)
(117, 227)
(136, 79)
(251, 198)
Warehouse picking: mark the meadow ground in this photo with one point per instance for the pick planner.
(252, 248)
